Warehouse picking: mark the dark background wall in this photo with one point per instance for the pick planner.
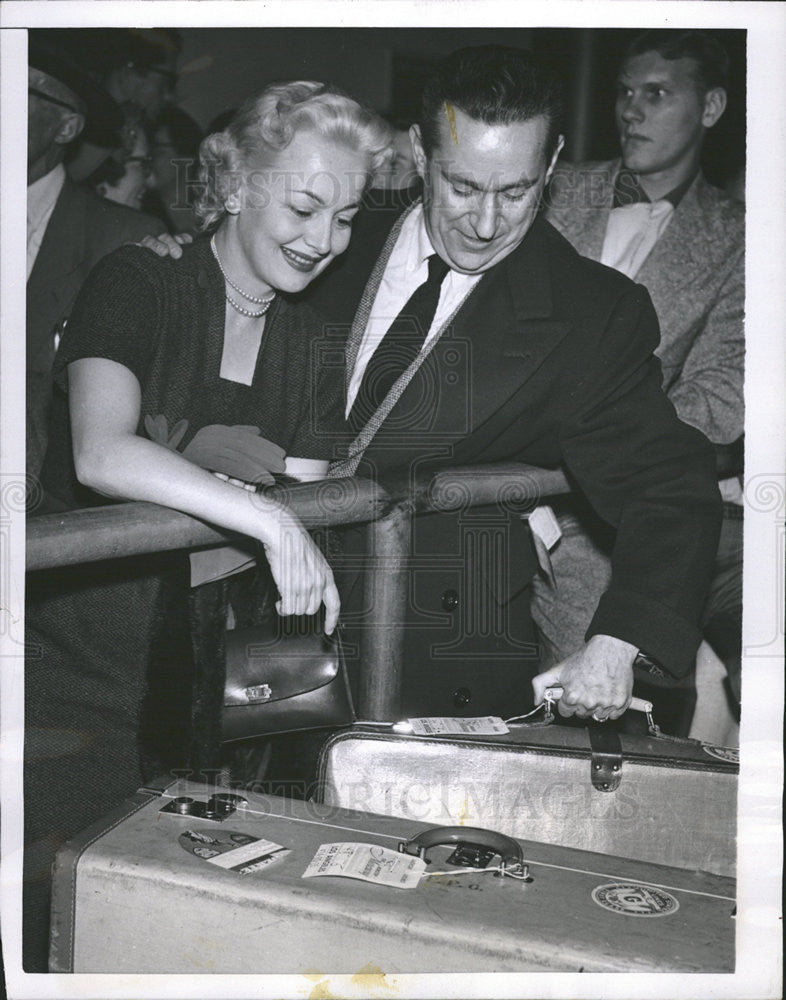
(384, 67)
(224, 66)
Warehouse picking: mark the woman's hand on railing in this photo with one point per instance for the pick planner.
(302, 574)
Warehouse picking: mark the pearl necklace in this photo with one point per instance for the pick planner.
(265, 301)
(248, 312)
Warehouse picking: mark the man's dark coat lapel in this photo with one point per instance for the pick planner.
(50, 287)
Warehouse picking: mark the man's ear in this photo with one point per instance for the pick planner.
(418, 152)
(714, 106)
(71, 125)
(555, 157)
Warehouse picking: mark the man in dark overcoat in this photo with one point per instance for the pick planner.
(527, 352)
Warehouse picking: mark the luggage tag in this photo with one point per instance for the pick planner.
(367, 862)
(546, 532)
(486, 725)
(402, 870)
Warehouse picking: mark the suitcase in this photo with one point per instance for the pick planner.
(668, 802)
(144, 893)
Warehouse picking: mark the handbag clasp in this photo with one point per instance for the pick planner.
(259, 693)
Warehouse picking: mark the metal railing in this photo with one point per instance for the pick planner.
(137, 528)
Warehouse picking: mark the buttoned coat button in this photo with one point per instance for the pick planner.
(450, 600)
(462, 696)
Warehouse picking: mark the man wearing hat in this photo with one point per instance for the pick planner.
(135, 66)
(69, 228)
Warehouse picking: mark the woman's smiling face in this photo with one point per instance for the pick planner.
(292, 215)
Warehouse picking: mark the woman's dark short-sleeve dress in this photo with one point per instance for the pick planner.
(95, 632)
(163, 319)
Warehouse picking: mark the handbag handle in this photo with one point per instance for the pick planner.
(509, 850)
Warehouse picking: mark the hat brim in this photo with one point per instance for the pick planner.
(101, 111)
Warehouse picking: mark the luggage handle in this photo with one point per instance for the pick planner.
(509, 851)
(636, 704)
(554, 693)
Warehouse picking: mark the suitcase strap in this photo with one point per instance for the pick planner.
(606, 759)
(657, 733)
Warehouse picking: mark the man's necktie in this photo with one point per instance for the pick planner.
(400, 345)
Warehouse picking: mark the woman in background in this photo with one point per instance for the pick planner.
(175, 153)
(127, 173)
(171, 371)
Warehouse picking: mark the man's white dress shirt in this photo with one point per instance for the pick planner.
(631, 233)
(407, 268)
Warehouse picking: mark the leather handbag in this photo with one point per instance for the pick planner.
(283, 683)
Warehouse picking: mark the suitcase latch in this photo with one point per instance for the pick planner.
(471, 856)
(606, 759)
(216, 808)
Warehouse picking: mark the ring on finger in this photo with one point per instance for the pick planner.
(597, 718)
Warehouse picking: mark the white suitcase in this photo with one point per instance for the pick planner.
(668, 802)
(154, 891)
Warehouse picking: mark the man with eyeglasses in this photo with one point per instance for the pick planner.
(142, 67)
(137, 67)
(69, 228)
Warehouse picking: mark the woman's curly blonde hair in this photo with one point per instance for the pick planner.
(267, 123)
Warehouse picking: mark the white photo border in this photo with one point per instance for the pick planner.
(759, 940)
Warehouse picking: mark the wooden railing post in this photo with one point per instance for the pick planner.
(382, 639)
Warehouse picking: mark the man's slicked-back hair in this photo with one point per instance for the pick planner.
(710, 57)
(495, 84)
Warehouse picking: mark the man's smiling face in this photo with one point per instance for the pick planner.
(482, 187)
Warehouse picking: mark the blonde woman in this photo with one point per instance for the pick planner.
(173, 371)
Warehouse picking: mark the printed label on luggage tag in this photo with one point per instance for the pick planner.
(635, 900)
(546, 532)
(236, 852)
(367, 862)
(486, 725)
(730, 754)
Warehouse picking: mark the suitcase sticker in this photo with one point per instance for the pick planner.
(231, 850)
(635, 900)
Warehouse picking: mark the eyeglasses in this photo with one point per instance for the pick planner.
(52, 100)
(169, 75)
(145, 162)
